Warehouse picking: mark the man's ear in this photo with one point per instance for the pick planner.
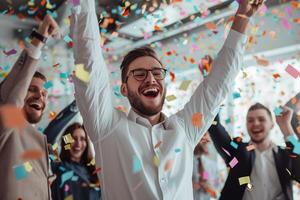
(123, 89)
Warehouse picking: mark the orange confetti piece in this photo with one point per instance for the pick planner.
(211, 26)
(276, 76)
(197, 119)
(262, 61)
(32, 155)
(172, 76)
(168, 165)
(157, 28)
(12, 117)
(157, 145)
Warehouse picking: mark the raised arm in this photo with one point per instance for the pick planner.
(14, 87)
(213, 90)
(93, 97)
(284, 122)
(60, 122)
(221, 139)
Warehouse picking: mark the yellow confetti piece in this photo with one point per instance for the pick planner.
(28, 167)
(81, 73)
(214, 123)
(250, 147)
(68, 139)
(168, 165)
(197, 119)
(70, 197)
(54, 146)
(93, 162)
(67, 147)
(171, 97)
(244, 180)
(184, 85)
(158, 144)
(156, 161)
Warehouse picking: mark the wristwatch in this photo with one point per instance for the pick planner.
(40, 37)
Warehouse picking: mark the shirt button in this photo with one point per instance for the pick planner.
(163, 180)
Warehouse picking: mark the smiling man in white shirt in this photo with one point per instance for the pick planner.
(147, 155)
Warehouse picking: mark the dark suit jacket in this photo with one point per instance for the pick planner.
(284, 159)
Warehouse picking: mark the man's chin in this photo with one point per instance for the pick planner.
(33, 119)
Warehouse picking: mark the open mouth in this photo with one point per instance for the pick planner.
(151, 92)
(36, 106)
(257, 131)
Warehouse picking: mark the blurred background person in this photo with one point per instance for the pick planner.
(205, 172)
(76, 174)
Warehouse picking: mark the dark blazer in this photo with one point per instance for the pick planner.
(284, 159)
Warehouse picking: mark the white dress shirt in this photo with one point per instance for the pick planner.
(264, 177)
(121, 140)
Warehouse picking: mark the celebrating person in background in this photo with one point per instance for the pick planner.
(22, 177)
(205, 172)
(147, 155)
(76, 157)
(259, 169)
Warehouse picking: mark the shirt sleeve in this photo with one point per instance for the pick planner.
(93, 97)
(212, 91)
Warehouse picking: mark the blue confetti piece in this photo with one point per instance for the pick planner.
(236, 95)
(64, 75)
(234, 145)
(67, 39)
(295, 143)
(177, 150)
(48, 85)
(228, 120)
(137, 166)
(20, 172)
(74, 178)
(277, 111)
(66, 176)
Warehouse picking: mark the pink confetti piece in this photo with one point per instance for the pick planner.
(286, 24)
(292, 71)
(233, 162)
(226, 151)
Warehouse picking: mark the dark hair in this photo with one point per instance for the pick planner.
(40, 76)
(134, 54)
(65, 154)
(257, 106)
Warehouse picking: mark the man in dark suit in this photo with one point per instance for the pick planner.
(260, 170)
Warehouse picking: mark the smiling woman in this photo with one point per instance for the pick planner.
(76, 163)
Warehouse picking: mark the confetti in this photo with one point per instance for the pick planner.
(177, 150)
(234, 145)
(28, 167)
(20, 172)
(244, 180)
(171, 97)
(48, 85)
(156, 161)
(184, 85)
(205, 175)
(10, 52)
(157, 145)
(136, 165)
(292, 71)
(66, 176)
(75, 2)
(233, 162)
(227, 152)
(197, 119)
(81, 74)
(32, 154)
(168, 165)
(277, 111)
(12, 117)
(67, 39)
(250, 147)
(68, 139)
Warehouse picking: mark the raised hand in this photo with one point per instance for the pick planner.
(49, 27)
(249, 7)
(284, 120)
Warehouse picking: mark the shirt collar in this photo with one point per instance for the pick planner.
(133, 116)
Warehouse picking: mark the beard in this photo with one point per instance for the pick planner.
(137, 104)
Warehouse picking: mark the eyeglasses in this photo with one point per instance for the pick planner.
(142, 74)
